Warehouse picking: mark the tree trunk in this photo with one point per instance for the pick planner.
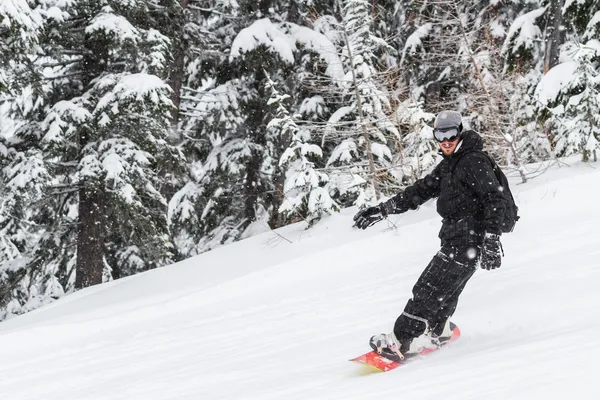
(177, 73)
(90, 237)
(553, 34)
(252, 187)
(278, 197)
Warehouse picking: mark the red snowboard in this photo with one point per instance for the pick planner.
(380, 363)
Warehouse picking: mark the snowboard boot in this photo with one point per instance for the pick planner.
(441, 333)
(387, 345)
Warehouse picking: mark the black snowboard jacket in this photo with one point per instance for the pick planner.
(468, 211)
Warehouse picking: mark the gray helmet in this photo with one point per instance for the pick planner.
(448, 119)
(447, 126)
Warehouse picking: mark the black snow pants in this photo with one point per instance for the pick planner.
(435, 295)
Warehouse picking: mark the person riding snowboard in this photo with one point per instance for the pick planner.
(470, 234)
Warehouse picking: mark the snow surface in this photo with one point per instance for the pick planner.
(268, 319)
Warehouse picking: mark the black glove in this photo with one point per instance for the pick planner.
(491, 252)
(369, 216)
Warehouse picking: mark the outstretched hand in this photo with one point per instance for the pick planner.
(369, 216)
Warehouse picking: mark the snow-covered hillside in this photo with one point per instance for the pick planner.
(268, 319)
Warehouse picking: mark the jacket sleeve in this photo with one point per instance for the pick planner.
(413, 196)
(478, 174)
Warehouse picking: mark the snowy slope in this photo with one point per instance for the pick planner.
(268, 319)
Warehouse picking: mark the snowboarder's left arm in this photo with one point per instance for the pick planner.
(478, 174)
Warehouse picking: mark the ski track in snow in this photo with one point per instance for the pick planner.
(265, 319)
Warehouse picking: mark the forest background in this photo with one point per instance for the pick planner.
(138, 133)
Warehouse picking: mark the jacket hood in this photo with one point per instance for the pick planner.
(471, 140)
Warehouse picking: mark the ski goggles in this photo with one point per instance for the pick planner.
(452, 133)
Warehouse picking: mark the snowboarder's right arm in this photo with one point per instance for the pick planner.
(413, 196)
(410, 199)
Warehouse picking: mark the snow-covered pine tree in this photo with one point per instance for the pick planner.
(592, 29)
(522, 48)
(575, 115)
(97, 124)
(19, 29)
(360, 129)
(487, 95)
(207, 110)
(583, 17)
(531, 142)
(581, 110)
(418, 151)
(566, 95)
(24, 177)
(235, 182)
(524, 61)
(451, 60)
(122, 141)
(232, 179)
(305, 191)
(205, 213)
(20, 173)
(195, 29)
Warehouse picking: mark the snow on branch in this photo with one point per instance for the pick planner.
(142, 85)
(523, 31)
(263, 32)
(319, 43)
(181, 206)
(133, 87)
(113, 25)
(28, 170)
(63, 119)
(557, 79)
(344, 153)
(415, 41)
(567, 75)
(592, 27)
(16, 14)
(281, 39)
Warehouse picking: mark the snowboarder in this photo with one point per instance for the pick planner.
(470, 234)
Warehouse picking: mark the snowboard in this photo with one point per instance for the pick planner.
(379, 363)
